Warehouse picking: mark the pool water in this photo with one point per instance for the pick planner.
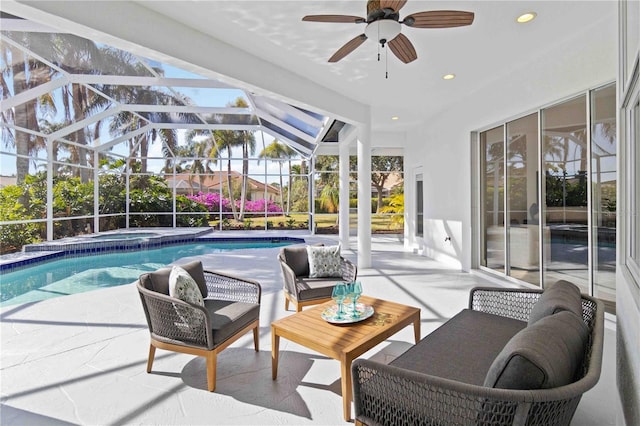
(80, 274)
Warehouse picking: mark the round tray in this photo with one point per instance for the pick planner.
(329, 314)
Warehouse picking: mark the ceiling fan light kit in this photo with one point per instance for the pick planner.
(383, 30)
(384, 26)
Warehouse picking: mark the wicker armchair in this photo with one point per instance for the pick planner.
(389, 395)
(232, 309)
(302, 290)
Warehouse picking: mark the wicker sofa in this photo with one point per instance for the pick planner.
(491, 364)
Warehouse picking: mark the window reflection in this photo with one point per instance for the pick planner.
(492, 142)
(522, 199)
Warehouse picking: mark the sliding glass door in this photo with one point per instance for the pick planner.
(492, 146)
(523, 228)
(564, 208)
(548, 195)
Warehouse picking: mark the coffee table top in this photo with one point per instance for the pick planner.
(335, 340)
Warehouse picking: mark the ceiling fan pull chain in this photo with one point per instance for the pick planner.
(379, 44)
(386, 63)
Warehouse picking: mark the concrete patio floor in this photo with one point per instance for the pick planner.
(81, 359)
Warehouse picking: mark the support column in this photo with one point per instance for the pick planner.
(343, 209)
(96, 191)
(364, 195)
(49, 189)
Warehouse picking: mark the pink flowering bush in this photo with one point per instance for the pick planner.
(260, 206)
(214, 203)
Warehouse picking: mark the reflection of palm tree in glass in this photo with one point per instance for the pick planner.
(338, 295)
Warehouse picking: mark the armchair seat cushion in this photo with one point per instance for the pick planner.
(228, 317)
(315, 288)
(464, 349)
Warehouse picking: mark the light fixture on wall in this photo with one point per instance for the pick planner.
(526, 17)
(448, 76)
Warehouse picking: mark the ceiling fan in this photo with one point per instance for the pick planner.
(384, 25)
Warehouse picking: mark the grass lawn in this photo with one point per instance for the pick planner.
(379, 222)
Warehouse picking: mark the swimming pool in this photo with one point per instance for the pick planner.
(80, 274)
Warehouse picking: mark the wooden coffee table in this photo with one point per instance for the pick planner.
(344, 342)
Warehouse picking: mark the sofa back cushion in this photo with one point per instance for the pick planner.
(159, 280)
(296, 258)
(561, 296)
(543, 355)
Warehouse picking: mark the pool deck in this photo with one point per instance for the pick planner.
(81, 359)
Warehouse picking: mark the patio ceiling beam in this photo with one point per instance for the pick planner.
(287, 127)
(126, 137)
(292, 111)
(301, 149)
(195, 126)
(120, 80)
(83, 123)
(187, 109)
(34, 93)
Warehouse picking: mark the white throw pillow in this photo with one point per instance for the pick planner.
(324, 261)
(182, 286)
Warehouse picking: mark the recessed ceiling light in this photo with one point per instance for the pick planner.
(526, 17)
(449, 76)
(395, 118)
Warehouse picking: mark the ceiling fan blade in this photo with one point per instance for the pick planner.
(403, 49)
(439, 19)
(349, 47)
(394, 5)
(340, 19)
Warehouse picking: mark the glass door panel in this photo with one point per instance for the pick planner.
(523, 227)
(564, 211)
(603, 193)
(492, 145)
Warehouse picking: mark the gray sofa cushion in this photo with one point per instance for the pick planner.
(159, 280)
(227, 317)
(543, 355)
(463, 348)
(561, 296)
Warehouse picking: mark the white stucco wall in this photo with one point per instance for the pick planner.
(442, 146)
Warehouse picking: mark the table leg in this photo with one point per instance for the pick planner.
(416, 327)
(275, 349)
(345, 366)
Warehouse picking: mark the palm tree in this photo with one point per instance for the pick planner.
(227, 140)
(203, 148)
(21, 74)
(277, 151)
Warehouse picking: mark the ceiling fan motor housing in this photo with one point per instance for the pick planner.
(383, 30)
